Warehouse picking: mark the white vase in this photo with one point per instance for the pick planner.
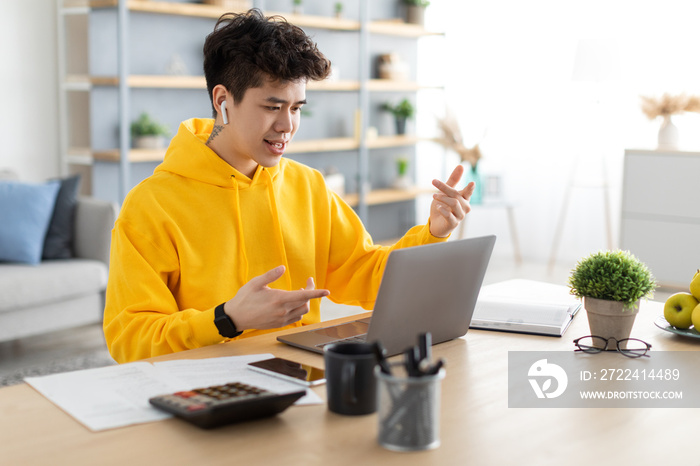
(149, 142)
(668, 134)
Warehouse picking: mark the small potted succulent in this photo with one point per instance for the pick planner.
(402, 112)
(146, 133)
(415, 11)
(338, 9)
(403, 180)
(611, 283)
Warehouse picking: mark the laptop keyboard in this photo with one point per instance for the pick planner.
(353, 339)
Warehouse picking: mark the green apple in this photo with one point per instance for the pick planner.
(695, 285)
(679, 308)
(695, 317)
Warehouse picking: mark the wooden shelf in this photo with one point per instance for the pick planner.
(383, 142)
(392, 27)
(296, 147)
(396, 27)
(322, 145)
(83, 82)
(388, 196)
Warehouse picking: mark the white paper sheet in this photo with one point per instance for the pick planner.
(117, 396)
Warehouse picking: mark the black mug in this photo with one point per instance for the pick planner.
(351, 386)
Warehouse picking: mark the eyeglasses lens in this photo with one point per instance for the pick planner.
(592, 344)
(633, 348)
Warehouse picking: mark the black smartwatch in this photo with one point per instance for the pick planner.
(224, 324)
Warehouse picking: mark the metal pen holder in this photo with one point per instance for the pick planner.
(409, 411)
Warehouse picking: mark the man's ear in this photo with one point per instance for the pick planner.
(220, 96)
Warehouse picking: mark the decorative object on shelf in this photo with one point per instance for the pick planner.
(402, 112)
(338, 9)
(231, 5)
(147, 133)
(403, 180)
(335, 181)
(177, 66)
(665, 107)
(415, 11)
(335, 74)
(297, 7)
(452, 139)
(611, 283)
(391, 66)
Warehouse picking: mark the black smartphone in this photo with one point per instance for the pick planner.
(290, 371)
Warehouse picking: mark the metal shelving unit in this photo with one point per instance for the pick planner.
(125, 83)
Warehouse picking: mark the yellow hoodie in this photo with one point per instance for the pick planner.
(189, 236)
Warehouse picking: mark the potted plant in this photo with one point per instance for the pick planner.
(338, 9)
(403, 181)
(611, 284)
(415, 11)
(401, 111)
(297, 7)
(146, 133)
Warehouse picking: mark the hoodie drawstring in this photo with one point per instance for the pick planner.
(278, 227)
(243, 262)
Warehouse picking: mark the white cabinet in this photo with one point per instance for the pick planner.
(661, 213)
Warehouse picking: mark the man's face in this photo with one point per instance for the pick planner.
(262, 124)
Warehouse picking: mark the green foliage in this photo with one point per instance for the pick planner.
(614, 276)
(423, 3)
(402, 166)
(146, 126)
(403, 109)
(338, 7)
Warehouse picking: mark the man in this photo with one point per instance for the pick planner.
(229, 239)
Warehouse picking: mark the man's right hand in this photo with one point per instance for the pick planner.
(257, 306)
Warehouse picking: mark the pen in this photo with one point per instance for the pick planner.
(380, 353)
(425, 341)
(411, 361)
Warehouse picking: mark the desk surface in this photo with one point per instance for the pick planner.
(477, 427)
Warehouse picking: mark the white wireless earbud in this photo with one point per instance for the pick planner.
(224, 115)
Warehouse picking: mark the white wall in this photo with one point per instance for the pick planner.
(29, 88)
(508, 67)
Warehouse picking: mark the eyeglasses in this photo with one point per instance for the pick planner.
(630, 347)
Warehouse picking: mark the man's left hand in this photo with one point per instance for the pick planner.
(449, 206)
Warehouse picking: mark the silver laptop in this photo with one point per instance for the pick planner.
(431, 288)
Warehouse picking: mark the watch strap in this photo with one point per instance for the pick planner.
(224, 324)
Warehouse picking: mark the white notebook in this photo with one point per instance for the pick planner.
(525, 306)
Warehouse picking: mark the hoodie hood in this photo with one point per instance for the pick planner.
(190, 157)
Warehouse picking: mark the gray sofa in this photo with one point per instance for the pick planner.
(62, 293)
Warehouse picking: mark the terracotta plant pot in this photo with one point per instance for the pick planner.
(610, 319)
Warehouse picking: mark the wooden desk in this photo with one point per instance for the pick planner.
(477, 427)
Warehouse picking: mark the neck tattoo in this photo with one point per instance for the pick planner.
(214, 133)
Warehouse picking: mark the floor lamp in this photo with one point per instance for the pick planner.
(595, 62)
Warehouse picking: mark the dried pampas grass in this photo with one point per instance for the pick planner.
(667, 105)
(452, 139)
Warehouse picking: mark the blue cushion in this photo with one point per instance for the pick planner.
(25, 213)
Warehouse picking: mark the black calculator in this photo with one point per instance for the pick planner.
(224, 404)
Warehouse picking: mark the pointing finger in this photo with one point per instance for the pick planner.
(298, 298)
(269, 276)
(455, 176)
